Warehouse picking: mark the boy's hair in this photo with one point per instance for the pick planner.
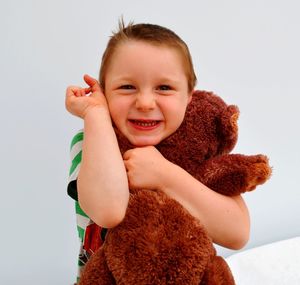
(153, 34)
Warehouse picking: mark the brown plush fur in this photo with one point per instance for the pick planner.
(159, 242)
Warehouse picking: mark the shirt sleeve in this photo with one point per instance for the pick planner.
(75, 156)
(90, 235)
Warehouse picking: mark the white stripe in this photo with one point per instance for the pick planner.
(75, 149)
(74, 174)
(82, 221)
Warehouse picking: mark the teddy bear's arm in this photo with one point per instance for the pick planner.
(233, 174)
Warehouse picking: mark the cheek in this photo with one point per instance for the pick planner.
(174, 113)
(118, 109)
(176, 107)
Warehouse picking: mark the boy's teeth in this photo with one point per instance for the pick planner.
(145, 124)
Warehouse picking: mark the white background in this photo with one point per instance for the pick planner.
(245, 51)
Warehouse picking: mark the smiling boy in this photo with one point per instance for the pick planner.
(146, 80)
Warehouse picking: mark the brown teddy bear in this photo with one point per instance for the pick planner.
(159, 242)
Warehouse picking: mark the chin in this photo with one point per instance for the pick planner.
(145, 141)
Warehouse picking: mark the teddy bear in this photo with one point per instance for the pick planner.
(159, 241)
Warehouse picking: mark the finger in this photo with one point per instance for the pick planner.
(126, 165)
(82, 92)
(92, 82)
(77, 93)
(71, 90)
(88, 90)
(127, 154)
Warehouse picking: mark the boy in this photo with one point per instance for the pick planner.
(147, 80)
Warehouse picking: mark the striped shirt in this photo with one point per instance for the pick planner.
(90, 235)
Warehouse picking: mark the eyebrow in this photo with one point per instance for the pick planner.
(163, 79)
(122, 78)
(169, 79)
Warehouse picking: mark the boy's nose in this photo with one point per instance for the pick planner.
(145, 101)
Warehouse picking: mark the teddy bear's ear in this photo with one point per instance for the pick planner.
(228, 129)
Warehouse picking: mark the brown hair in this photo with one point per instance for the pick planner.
(150, 33)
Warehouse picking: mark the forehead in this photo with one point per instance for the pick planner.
(131, 54)
(146, 48)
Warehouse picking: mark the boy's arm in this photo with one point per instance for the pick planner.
(102, 181)
(225, 218)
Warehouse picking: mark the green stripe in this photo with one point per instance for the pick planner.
(76, 160)
(78, 137)
(80, 233)
(79, 211)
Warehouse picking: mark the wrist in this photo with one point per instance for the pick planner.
(96, 111)
(167, 176)
(96, 120)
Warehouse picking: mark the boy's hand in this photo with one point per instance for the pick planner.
(79, 100)
(146, 168)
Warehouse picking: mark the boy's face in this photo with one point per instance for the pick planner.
(147, 91)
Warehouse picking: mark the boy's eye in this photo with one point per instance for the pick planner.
(127, 86)
(164, 87)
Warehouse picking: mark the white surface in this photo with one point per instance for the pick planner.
(276, 263)
(245, 51)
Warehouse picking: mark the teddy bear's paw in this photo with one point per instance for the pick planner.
(258, 172)
(218, 272)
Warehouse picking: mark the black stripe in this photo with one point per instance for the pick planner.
(72, 190)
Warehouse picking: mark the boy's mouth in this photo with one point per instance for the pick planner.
(145, 124)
